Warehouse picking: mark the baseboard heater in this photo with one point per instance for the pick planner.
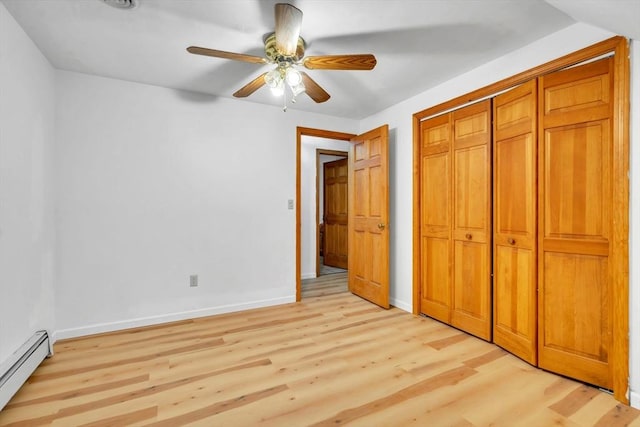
(21, 364)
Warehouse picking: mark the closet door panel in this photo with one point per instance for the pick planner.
(436, 285)
(471, 228)
(514, 257)
(436, 194)
(575, 303)
(577, 332)
(514, 311)
(470, 216)
(471, 289)
(577, 176)
(514, 192)
(435, 135)
(435, 211)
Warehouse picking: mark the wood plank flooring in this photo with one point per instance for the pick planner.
(331, 360)
(327, 269)
(328, 284)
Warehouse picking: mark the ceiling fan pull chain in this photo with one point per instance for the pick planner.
(284, 103)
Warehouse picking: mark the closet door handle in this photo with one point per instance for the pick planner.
(468, 236)
(511, 241)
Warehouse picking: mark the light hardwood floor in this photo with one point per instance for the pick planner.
(326, 361)
(327, 269)
(328, 284)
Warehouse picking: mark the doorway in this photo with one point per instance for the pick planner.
(331, 223)
(331, 212)
(368, 211)
(315, 149)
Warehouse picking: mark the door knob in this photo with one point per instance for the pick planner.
(511, 241)
(468, 236)
(381, 226)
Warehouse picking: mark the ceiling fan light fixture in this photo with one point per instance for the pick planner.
(297, 89)
(293, 76)
(273, 78)
(278, 90)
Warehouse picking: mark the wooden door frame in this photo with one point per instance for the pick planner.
(300, 132)
(619, 46)
(319, 152)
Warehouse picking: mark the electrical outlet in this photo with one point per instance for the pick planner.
(290, 204)
(193, 280)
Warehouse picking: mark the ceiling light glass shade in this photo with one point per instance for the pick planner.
(273, 78)
(277, 90)
(298, 89)
(293, 77)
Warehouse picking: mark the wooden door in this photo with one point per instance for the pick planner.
(471, 219)
(369, 216)
(435, 217)
(514, 214)
(575, 222)
(335, 213)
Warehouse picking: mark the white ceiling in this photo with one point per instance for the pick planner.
(418, 43)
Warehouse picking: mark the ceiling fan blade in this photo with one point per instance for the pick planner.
(340, 62)
(251, 87)
(227, 55)
(288, 23)
(313, 89)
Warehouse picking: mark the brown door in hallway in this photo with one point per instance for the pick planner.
(335, 213)
(369, 216)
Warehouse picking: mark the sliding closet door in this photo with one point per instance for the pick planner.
(514, 242)
(575, 222)
(435, 212)
(471, 219)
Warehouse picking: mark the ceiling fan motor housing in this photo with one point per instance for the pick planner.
(271, 51)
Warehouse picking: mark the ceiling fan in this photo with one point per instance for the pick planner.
(285, 49)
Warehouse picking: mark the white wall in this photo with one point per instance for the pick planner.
(26, 188)
(308, 195)
(399, 118)
(159, 184)
(634, 219)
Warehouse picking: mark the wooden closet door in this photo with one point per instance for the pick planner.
(575, 222)
(471, 219)
(435, 212)
(514, 213)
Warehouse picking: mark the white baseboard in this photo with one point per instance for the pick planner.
(634, 399)
(401, 305)
(165, 318)
(308, 276)
(21, 364)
